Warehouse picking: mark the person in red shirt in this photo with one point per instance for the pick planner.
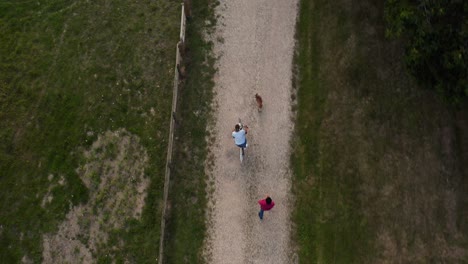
(265, 205)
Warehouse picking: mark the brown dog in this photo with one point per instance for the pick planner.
(259, 100)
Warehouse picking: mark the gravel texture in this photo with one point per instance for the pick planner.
(255, 44)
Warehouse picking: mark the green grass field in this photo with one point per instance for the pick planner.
(379, 162)
(70, 71)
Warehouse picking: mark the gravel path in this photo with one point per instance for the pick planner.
(255, 42)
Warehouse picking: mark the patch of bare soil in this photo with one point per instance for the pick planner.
(113, 171)
(255, 45)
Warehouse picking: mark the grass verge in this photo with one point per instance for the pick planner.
(69, 72)
(187, 194)
(378, 176)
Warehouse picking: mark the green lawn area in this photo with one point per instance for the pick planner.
(70, 71)
(380, 163)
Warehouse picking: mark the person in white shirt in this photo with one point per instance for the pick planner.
(239, 135)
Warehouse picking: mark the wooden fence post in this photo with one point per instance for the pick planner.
(181, 46)
(188, 8)
(181, 71)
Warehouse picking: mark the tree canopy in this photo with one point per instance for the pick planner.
(435, 33)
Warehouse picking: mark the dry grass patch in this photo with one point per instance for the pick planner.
(113, 172)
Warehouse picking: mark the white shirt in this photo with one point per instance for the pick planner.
(239, 137)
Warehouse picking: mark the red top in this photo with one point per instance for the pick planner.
(265, 206)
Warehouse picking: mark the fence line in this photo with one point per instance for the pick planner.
(178, 73)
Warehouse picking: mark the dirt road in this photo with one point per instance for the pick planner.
(254, 42)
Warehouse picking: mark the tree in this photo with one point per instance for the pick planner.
(435, 33)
